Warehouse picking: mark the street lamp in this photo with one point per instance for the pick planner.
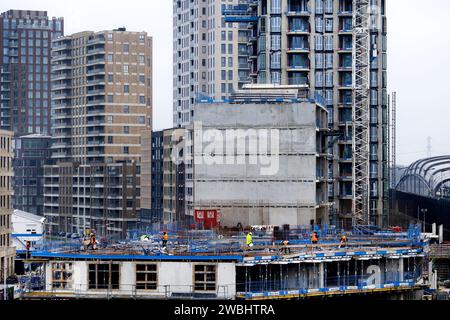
(424, 211)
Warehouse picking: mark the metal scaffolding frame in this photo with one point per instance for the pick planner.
(361, 111)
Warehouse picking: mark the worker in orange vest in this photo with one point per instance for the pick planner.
(165, 237)
(344, 240)
(314, 237)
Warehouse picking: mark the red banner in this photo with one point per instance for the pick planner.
(209, 218)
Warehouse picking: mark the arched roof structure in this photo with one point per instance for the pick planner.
(426, 177)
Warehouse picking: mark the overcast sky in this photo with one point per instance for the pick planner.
(418, 59)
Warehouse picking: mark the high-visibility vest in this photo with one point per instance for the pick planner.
(165, 237)
(249, 239)
(314, 237)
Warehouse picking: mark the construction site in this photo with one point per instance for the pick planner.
(319, 226)
(207, 264)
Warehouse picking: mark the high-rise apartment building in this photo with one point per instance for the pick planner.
(31, 153)
(206, 55)
(25, 54)
(25, 104)
(310, 42)
(101, 106)
(7, 253)
(209, 59)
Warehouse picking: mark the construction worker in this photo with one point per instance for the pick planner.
(92, 242)
(344, 240)
(28, 247)
(314, 238)
(249, 239)
(285, 248)
(165, 237)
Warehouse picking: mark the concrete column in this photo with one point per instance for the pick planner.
(400, 269)
(433, 228)
(321, 275)
(441, 233)
(432, 276)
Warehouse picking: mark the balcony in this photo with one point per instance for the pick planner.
(300, 31)
(297, 12)
(95, 92)
(95, 142)
(95, 61)
(96, 101)
(95, 122)
(95, 111)
(95, 132)
(62, 95)
(57, 145)
(61, 46)
(60, 86)
(61, 134)
(95, 80)
(96, 71)
(304, 67)
(299, 49)
(96, 51)
(61, 75)
(57, 155)
(58, 67)
(95, 153)
(343, 12)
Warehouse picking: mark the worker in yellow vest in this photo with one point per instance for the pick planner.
(249, 239)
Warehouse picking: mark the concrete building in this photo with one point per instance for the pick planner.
(262, 159)
(173, 177)
(101, 104)
(31, 153)
(306, 42)
(25, 55)
(7, 252)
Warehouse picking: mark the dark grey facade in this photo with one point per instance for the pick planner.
(25, 54)
(156, 213)
(31, 153)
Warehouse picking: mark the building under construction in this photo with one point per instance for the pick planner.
(337, 49)
(218, 265)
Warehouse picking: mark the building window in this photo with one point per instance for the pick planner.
(205, 277)
(146, 277)
(142, 99)
(61, 275)
(126, 109)
(126, 47)
(126, 150)
(110, 58)
(126, 129)
(125, 69)
(126, 88)
(141, 59)
(141, 79)
(110, 98)
(104, 276)
(110, 78)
